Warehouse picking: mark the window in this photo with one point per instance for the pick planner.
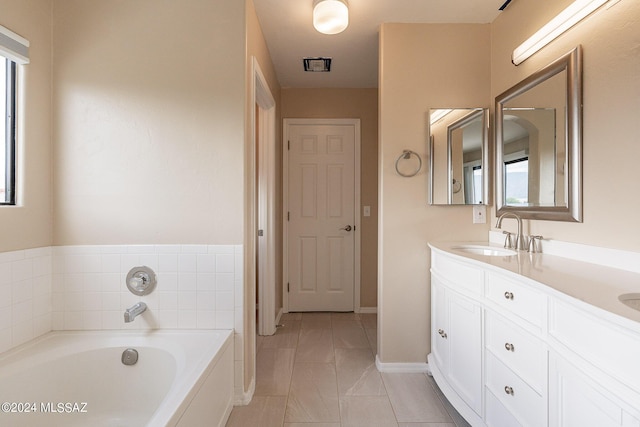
(8, 130)
(14, 52)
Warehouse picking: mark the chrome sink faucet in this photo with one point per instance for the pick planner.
(521, 243)
(134, 311)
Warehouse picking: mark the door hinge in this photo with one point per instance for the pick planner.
(288, 145)
(260, 233)
(288, 216)
(287, 287)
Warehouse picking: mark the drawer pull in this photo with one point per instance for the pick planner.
(508, 390)
(508, 295)
(442, 333)
(509, 346)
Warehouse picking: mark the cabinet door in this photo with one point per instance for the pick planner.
(465, 347)
(577, 401)
(439, 326)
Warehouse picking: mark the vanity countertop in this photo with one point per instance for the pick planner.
(593, 284)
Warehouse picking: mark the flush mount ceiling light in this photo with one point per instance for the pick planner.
(566, 19)
(330, 16)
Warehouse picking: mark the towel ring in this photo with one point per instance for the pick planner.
(406, 155)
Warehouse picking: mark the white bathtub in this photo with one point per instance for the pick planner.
(182, 378)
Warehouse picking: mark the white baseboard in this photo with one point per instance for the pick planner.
(368, 310)
(406, 368)
(243, 398)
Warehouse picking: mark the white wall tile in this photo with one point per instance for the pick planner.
(187, 263)
(42, 266)
(151, 261)
(42, 285)
(168, 301)
(206, 263)
(110, 263)
(168, 262)
(225, 263)
(112, 319)
(110, 301)
(167, 282)
(21, 291)
(5, 273)
(187, 301)
(224, 281)
(187, 282)
(206, 319)
(193, 249)
(206, 282)
(187, 319)
(21, 270)
(22, 312)
(22, 332)
(206, 301)
(224, 301)
(224, 319)
(5, 295)
(168, 319)
(73, 320)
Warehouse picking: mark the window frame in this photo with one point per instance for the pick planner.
(10, 134)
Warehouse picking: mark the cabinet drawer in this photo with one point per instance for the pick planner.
(497, 415)
(461, 275)
(612, 348)
(522, 401)
(523, 353)
(518, 299)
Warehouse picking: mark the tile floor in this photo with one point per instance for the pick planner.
(318, 370)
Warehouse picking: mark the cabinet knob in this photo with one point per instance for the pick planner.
(508, 295)
(509, 346)
(508, 390)
(442, 333)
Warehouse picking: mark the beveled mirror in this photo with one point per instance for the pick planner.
(458, 156)
(539, 143)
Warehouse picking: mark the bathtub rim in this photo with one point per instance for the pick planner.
(191, 372)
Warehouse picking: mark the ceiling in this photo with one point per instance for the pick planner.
(288, 30)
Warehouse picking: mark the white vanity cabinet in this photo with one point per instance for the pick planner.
(457, 343)
(509, 351)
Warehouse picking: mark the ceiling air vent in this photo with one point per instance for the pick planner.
(317, 65)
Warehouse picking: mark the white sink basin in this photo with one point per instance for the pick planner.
(631, 300)
(484, 250)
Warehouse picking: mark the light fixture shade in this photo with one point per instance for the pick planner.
(566, 19)
(330, 16)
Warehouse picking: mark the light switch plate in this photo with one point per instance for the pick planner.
(366, 210)
(479, 214)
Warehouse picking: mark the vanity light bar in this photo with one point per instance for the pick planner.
(566, 19)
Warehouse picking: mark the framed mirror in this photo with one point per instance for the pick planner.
(539, 143)
(458, 156)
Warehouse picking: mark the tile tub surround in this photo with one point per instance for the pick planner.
(198, 286)
(25, 296)
(83, 288)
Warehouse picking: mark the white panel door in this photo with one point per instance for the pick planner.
(321, 225)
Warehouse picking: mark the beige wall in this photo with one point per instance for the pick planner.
(422, 66)
(350, 103)
(610, 39)
(256, 47)
(29, 224)
(149, 121)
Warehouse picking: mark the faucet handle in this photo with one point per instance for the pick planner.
(533, 247)
(508, 243)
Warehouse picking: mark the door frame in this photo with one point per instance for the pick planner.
(285, 204)
(266, 198)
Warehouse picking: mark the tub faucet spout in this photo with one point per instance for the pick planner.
(134, 311)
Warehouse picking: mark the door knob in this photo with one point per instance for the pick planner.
(347, 228)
